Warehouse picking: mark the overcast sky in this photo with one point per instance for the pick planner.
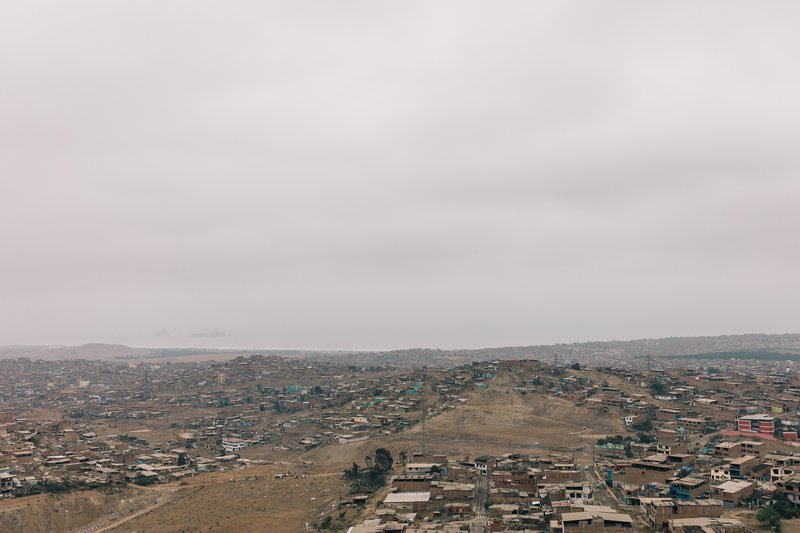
(383, 175)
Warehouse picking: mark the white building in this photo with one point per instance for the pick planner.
(231, 444)
(720, 474)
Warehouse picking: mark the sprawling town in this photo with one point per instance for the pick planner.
(707, 446)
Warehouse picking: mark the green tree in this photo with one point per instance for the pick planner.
(768, 515)
(575, 366)
(628, 450)
(403, 456)
(785, 509)
(352, 472)
(658, 387)
(383, 460)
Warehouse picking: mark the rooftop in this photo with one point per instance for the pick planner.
(734, 486)
(407, 497)
(743, 459)
(761, 417)
(607, 517)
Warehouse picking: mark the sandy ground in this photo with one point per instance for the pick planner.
(66, 512)
(213, 503)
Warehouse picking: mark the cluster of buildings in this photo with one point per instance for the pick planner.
(44, 456)
(698, 441)
(79, 423)
(525, 493)
(437, 493)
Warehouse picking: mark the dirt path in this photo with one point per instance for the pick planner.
(162, 499)
(172, 494)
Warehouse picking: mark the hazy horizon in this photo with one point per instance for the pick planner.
(410, 174)
(384, 349)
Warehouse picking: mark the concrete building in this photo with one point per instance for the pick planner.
(592, 522)
(408, 501)
(742, 466)
(733, 493)
(231, 444)
(643, 472)
(790, 487)
(752, 447)
(688, 488)
(693, 424)
(762, 423)
(659, 511)
(728, 449)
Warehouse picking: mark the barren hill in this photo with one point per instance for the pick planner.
(595, 353)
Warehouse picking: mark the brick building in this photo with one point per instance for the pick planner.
(592, 522)
(659, 511)
(733, 493)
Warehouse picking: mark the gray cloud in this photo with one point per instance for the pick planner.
(387, 175)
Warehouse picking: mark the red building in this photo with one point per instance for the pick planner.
(764, 424)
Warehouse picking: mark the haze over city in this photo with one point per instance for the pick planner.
(399, 267)
(375, 175)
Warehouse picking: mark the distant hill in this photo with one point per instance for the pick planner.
(120, 352)
(597, 353)
(84, 351)
(748, 356)
(97, 350)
